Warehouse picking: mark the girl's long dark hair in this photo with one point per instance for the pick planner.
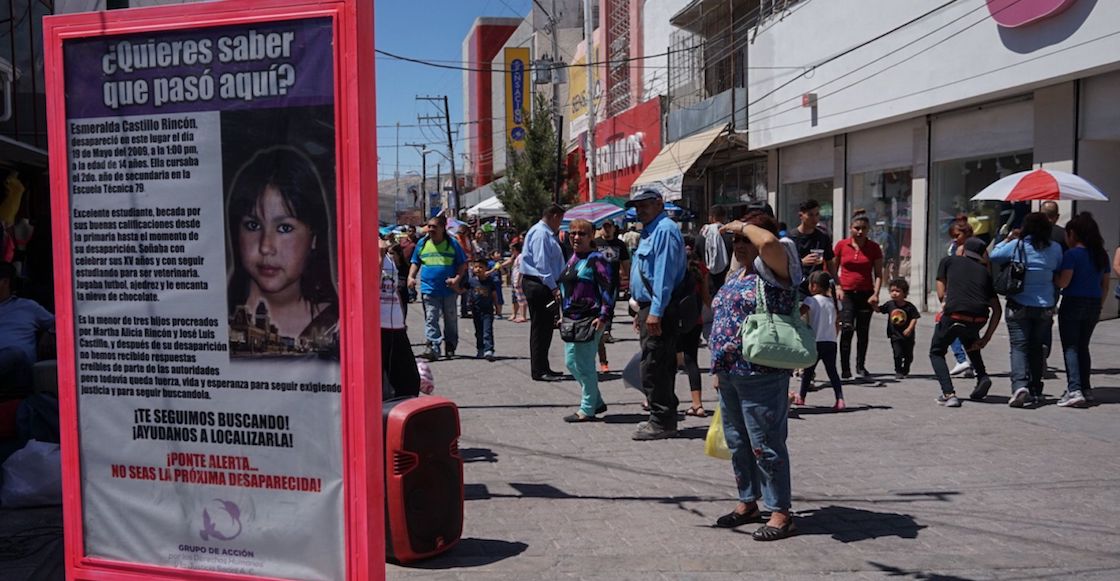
(823, 280)
(295, 177)
(1037, 226)
(1085, 228)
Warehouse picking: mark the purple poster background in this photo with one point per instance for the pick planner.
(275, 64)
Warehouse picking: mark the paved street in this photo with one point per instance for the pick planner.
(894, 487)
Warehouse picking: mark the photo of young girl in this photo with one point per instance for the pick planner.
(282, 292)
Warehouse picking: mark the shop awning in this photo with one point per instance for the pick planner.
(666, 172)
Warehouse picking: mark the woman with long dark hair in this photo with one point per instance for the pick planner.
(280, 239)
(859, 262)
(1083, 278)
(1030, 313)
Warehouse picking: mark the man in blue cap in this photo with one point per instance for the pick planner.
(657, 268)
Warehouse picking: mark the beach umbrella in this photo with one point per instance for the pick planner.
(594, 212)
(1041, 184)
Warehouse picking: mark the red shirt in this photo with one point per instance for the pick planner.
(857, 264)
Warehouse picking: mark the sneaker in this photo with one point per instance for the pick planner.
(863, 373)
(450, 353)
(608, 338)
(652, 432)
(430, 354)
(961, 368)
(981, 390)
(846, 374)
(604, 367)
(968, 373)
(949, 400)
(899, 376)
(1072, 399)
(839, 405)
(489, 355)
(1020, 398)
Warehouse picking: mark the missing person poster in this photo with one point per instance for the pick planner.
(206, 304)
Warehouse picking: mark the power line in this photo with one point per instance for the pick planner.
(527, 69)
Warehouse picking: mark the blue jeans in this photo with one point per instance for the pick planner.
(436, 307)
(755, 411)
(958, 351)
(483, 329)
(580, 359)
(1028, 329)
(1077, 317)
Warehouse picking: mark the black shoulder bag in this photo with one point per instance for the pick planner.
(1012, 276)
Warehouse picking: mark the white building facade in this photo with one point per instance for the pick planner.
(911, 112)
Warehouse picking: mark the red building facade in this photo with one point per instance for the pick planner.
(480, 47)
(624, 145)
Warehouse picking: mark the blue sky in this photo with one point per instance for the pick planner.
(431, 30)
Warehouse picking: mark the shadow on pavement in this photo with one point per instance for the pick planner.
(624, 418)
(472, 552)
(915, 574)
(822, 410)
(1106, 395)
(848, 525)
(526, 490)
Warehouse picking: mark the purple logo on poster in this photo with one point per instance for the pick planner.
(225, 525)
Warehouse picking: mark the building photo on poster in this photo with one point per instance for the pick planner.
(206, 307)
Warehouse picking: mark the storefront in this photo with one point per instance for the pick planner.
(807, 172)
(970, 150)
(625, 145)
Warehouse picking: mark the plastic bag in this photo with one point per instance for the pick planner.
(32, 476)
(427, 380)
(715, 445)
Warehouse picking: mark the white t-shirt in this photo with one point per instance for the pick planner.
(822, 317)
(392, 315)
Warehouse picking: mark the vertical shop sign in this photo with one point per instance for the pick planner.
(517, 96)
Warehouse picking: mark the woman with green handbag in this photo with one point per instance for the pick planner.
(753, 398)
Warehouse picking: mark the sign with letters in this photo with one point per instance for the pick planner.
(205, 165)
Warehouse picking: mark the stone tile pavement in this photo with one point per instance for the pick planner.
(895, 487)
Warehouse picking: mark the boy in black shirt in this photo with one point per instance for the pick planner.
(481, 295)
(901, 324)
(964, 287)
(814, 247)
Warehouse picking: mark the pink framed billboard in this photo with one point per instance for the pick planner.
(214, 204)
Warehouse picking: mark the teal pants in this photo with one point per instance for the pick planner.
(580, 359)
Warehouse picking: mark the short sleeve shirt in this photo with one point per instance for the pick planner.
(822, 317)
(1086, 281)
(899, 317)
(857, 264)
(614, 251)
(807, 243)
(738, 298)
(968, 285)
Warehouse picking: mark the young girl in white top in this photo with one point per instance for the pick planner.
(819, 310)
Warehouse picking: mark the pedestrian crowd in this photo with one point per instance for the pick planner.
(682, 290)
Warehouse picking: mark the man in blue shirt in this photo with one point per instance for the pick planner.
(21, 321)
(656, 270)
(441, 264)
(542, 261)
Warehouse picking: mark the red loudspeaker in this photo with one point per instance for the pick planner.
(423, 477)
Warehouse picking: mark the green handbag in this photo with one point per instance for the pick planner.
(777, 340)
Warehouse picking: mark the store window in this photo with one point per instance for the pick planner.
(794, 194)
(739, 184)
(885, 196)
(954, 182)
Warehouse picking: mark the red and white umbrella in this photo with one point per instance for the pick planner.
(1041, 184)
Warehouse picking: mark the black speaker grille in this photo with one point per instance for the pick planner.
(433, 501)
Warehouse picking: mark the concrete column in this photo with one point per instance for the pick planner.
(919, 223)
(1055, 133)
(840, 209)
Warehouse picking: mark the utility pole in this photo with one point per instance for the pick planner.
(439, 182)
(397, 174)
(588, 33)
(423, 150)
(450, 145)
